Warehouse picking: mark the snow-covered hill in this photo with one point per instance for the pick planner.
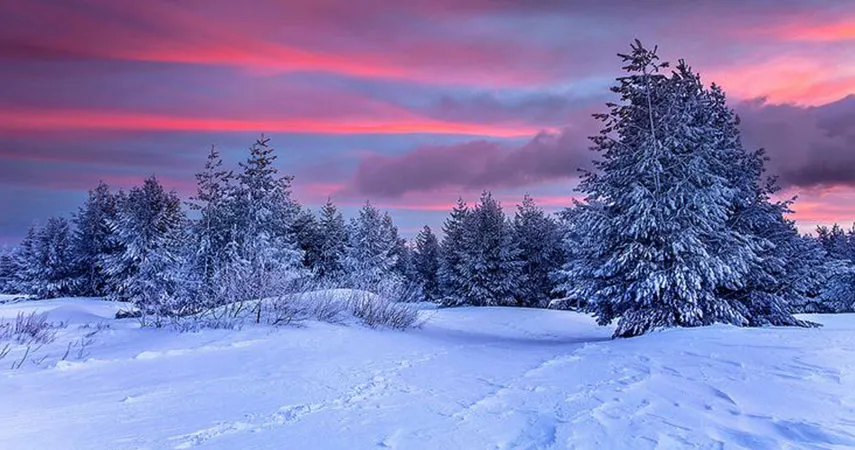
(471, 378)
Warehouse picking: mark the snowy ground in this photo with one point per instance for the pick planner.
(470, 379)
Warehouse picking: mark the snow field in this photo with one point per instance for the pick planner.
(474, 378)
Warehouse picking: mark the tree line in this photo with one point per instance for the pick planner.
(250, 239)
(678, 225)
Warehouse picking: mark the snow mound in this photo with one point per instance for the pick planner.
(73, 310)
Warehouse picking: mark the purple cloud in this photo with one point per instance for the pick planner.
(808, 146)
(473, 165)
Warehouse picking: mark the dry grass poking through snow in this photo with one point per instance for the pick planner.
(339, 306)
(29, 338)
(342, 306)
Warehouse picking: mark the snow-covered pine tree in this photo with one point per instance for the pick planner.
(93, 239)
(25, 262)
(265, 214)
(655, 214)
(426, 263)
(787, 269)
(806, 275)
(43, 264)
(491, 267)
(450, 276)
(404, 267)
(836, 241)
(371, 253)
(149, 229)
(55, 261)
(307, 233)
(572, 234)
(538, 239)
(7, 271)
(838, 295)
(211, 260)
(333, 243)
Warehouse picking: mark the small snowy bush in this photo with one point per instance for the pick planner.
(379, 312)
(340, 305)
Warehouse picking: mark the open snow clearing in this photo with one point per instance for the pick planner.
(470, 378)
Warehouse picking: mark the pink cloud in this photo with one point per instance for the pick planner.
(801, 80)
(25, 120)
(272, 38)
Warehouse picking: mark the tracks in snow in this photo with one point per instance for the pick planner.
(382, 383)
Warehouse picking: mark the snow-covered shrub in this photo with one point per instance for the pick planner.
(342, 305)
(380, 312)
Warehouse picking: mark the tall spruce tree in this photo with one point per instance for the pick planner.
(372, 250)
(211, 260)
(56, 277)
(25, 262)
(307, 233)
(94, 240)
(572, 238)
(491, 267)
(7, 271)
(450, 275)
(333, 243)
(265, 215)
(44, 263)
(656, 248)
(788, 269)
(149, 229)
(426, 263)
(538, 238)
(838, 295)
(405, 267)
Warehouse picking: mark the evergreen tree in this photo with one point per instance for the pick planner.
(541, 250)
(836, 241)
(426, 264)
(44, 263)
(307, 233)
(56, 276)
(572, 238)
(211, 257)
(372, 251)
(450, 276)
(265, 215)
(838, 295)
(807, 274)
(656, 247)
(491, 267)
(7, 271)
(93, 239)
(788, 269)
(404, 267)
(25, 263)
(333, 243)
(149, 230)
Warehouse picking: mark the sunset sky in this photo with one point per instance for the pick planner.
(407, 103)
